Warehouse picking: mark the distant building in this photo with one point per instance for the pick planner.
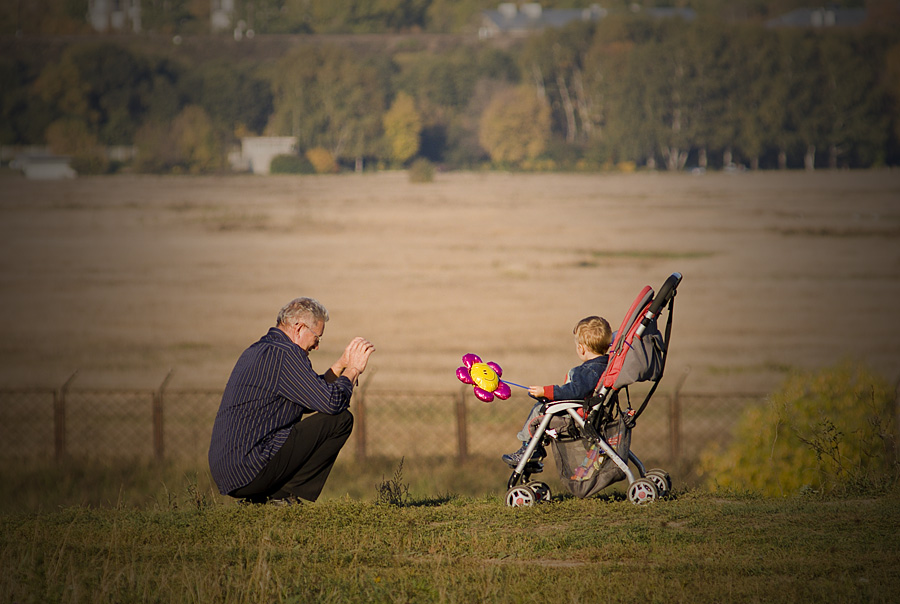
(820, 17)
(44, 167)
(513, 19)
(115, 15)
(509, 18)
(120, 16)
(257, 152)
(221, 14)
(666, 12)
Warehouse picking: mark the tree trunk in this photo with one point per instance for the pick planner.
(727, 157)
(538, 81)
(675, 158)
(569, 108)
(809, 158)
(754, 162)
(583, 103)
(782, 159)
(702, 160)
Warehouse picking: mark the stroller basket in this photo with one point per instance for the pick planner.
(591, 440)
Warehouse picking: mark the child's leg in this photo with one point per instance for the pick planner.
(524, 434)
(512, 459)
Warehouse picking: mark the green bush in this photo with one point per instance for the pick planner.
(421, 170)
(291, 164)
(90, 163)
(322, 160)
(72, 137)
(829, 432)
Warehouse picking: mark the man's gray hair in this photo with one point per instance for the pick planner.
(302, 310)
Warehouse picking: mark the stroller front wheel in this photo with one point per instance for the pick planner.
(521, 496)
(642, 491)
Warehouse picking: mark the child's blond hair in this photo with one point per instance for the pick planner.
(594, 333)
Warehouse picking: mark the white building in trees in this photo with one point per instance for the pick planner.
(115, 15)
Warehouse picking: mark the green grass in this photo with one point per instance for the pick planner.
(182, 543)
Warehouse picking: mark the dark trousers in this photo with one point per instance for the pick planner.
(301, 466)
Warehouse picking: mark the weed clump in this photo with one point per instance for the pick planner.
(831, 432)
(394, 491)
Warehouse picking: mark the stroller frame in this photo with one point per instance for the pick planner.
(648, 485)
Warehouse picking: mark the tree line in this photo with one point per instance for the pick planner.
(624, 91)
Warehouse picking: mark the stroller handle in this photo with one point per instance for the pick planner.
(666, 292)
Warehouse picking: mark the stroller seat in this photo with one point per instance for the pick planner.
(591, 439)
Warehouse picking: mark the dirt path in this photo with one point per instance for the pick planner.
(123, 278)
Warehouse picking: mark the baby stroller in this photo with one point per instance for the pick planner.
(591, 439)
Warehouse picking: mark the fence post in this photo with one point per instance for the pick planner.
(462, 435)
(675, 419)
(59, 418)
(158, 440)
(359, 420)
(896, 434)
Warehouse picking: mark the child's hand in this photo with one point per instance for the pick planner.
(536, 391)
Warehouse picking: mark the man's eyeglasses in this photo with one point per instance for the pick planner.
(317, 337)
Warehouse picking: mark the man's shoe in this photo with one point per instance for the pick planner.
(284, 503)
(513, 459)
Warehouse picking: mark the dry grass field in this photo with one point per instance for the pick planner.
(124, 278)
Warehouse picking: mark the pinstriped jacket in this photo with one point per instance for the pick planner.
(272, 385)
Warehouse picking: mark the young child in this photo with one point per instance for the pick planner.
(592, 339)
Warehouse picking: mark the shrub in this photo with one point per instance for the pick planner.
(190, 143)
(421, 170)
(199, 143)
(322, 160)
(562, 155)
(90, 163)
(72, 137)
(828, 432)
(291, 164)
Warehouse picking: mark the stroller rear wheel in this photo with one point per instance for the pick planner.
(642, 491)
(521, 496)
(541, 490)
(662, 481)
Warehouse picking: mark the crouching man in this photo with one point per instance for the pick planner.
(280, 425)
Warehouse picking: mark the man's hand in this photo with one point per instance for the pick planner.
(354, 359)
(357, 354)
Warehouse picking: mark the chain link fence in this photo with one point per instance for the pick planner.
(53, 424)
